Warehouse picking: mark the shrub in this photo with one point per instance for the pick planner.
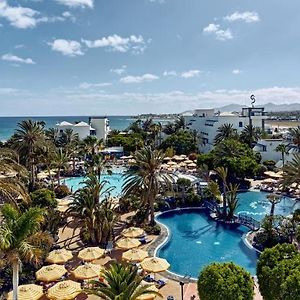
(270, 164)
(155, 230)
(43, 198)
(62, 191)
(225, 281)
(278, 273)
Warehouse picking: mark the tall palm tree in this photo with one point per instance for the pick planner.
(232, 200)
(224, 132)
(223, 174)
(145, 177)
(273, 199)
(295, 135)
(291, 171)
(250, 135)
(52, 135)
(90, 145)
(284, 150)
(97, 165)
(121, 282)
(60, 161)
(27, 139)
(21, 239)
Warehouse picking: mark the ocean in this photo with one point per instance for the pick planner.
(9, 124)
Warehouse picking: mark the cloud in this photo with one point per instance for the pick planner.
(18, 16)
(139, 79)
(247, 17)
(24, 17)
(67, 47)
(8, 91)
(86, 85)
(190, 74)
(133, 43)
(170, 73)
(77, 3)
(220, 34)
(119, 71)
(16, 59)
(236, 71)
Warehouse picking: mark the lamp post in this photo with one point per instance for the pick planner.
(181, 287)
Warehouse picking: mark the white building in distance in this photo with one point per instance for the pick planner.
(97, 126)
(205, 122)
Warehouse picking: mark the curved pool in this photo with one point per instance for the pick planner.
(196, 241)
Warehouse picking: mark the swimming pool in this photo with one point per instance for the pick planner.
(115, 180)
(196, 241)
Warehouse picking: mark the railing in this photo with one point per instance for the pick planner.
(247, 221)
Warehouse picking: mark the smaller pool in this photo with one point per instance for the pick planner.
(196, 241)
(115, 180)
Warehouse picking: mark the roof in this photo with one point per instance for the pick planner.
(82, 124)
(64, 123)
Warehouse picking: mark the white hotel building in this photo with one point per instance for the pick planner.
(205, 122)
(97, 126)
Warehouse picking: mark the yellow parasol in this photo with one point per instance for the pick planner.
(65, 290)
(155, 264)
(59, 256)
(128, 243)
(87, 271)
(135, 255)
(91, 253)
(50, 273)
(149, 296)
(132, 232)
(28, 292)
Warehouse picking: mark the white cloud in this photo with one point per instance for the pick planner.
(18, 16)
(247, 16)
(236, 71)
(77, 3)
(119, 71)
(16, 59)
(67, 47)
(139, 79)
(86, 85)
(8, 91)
(170, 73)
(133, 43)
(24, 17)
(191, 74)
(220, 34)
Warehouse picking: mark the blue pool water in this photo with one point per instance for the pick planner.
(196, 241)
(115, 180)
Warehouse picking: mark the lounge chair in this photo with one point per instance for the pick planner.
(149, 278)
(160, 283)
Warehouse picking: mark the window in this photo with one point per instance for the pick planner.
(240, 124)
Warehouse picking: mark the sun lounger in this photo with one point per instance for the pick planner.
(148, 278)
(160, 283)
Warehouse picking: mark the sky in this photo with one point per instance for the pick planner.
(124, 57)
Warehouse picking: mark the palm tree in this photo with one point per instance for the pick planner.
(223, 174)
(27, 139)
(179, 123)
(21, 239)
(60, 161)
(94, 218)
(250, 135)
(96, 165)
(295, 135)
(90, 145)
(121, 282)
(224, 132)
(232, 200)
(52, 135)
(14, 177)
(291, 171)
(284, 150)
(273, 199)
(145, 178)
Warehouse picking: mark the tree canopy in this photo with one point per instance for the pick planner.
(278, 273)
(183, 142)
(225, 281)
